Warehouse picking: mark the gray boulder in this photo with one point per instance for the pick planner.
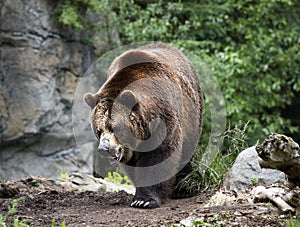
(246, 171)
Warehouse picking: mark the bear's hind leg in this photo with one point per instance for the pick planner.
(180, 192)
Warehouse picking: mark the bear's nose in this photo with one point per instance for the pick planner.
(103, 147)
(104, 144)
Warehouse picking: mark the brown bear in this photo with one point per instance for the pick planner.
(147, 117)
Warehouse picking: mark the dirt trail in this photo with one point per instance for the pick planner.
(39, 208)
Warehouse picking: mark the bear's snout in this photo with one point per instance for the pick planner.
(103, 148)
(108, 148)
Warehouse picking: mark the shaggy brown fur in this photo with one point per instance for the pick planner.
(151, 94)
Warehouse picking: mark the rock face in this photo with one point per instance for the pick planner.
(40, 65)
(246, 171)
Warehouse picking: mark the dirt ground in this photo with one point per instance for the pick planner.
(44, 202)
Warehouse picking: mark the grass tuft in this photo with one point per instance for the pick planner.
(205, 176)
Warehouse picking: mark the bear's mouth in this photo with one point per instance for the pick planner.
(117, 157)
(113, 156)
(118, 154)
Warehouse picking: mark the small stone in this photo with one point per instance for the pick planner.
(237, 213)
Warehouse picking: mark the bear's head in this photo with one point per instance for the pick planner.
(124, 125)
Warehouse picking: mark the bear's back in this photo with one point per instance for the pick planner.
(169, 56)
(160, 53)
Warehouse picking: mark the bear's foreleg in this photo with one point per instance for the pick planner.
(153, 196)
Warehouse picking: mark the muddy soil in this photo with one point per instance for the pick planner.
(44, 202)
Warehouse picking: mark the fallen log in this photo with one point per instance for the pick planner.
(280, 197)
(281, 152)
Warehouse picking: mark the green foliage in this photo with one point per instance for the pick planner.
(209, 176)
(72, 12)
(11, 210)
(63, 174)
(2, 221)
(118, 179)
(63, 224)
(200, 223)
(256, 181)
(293, 221)
(18, 223)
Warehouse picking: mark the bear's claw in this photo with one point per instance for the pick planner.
(140, 203)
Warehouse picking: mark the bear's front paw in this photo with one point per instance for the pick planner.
(144, 203)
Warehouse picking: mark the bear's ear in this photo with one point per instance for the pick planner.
(128, 99)
(90, 99)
